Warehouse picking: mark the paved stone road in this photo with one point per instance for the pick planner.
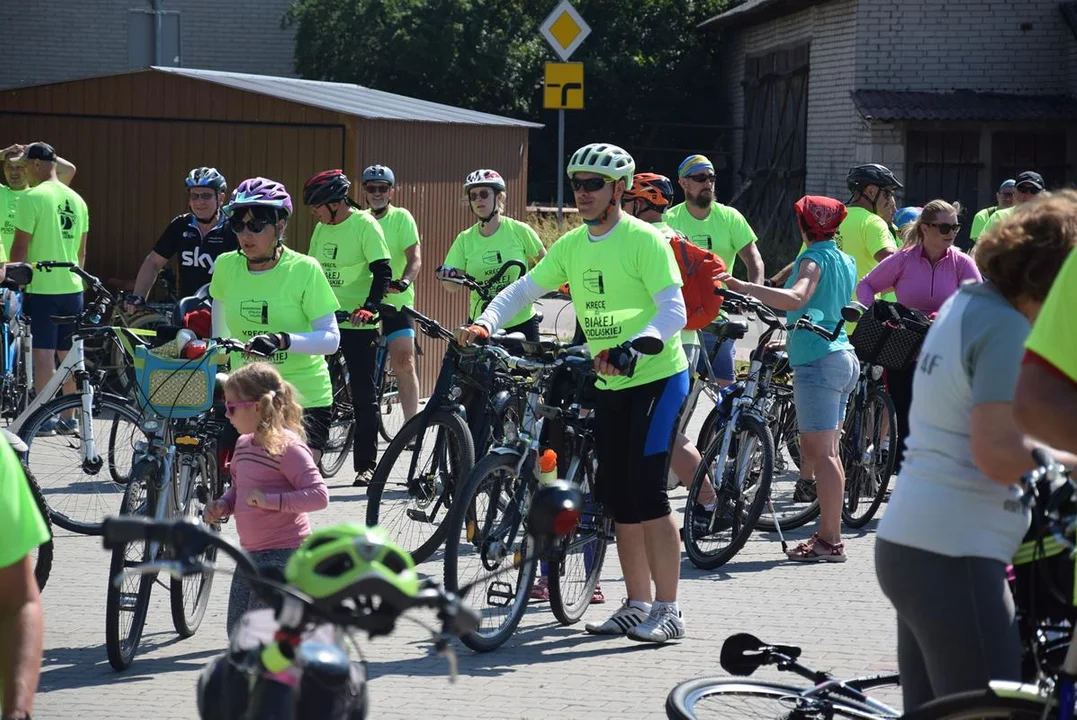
(836, 612)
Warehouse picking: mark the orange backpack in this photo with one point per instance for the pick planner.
(698, 268)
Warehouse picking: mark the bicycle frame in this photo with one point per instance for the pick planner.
(17, 350)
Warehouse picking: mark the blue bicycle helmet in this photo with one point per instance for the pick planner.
(906, 215)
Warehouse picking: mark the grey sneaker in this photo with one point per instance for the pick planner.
(47, 429)
(67, 426)
(662, 625)
(620, 622)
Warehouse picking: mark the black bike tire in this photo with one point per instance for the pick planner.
(568, 613)
(184, 625)
(454, 526)
(981, 705)
(330, 463)
(706, 430)
(847, 516)
(709, 562)
(681, 701)
(119, 656)
(43, 562)
(382, 430)
(461, 437)
(28, 433)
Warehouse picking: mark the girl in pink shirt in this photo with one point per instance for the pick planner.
(923, 275)
(275, 481)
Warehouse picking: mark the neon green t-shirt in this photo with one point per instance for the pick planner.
(400, 232)
(21, 526)
(481, 258)
(724, 231)
(287, 298)
(1054, 335)
(613, 283)
(997, 218)
(979, 221)
(56, 218)
(345, 252)
(9, 200)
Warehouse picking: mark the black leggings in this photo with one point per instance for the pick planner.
(899, 387)
(360, 348)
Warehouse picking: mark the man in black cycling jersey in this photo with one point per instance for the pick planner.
(199, 237)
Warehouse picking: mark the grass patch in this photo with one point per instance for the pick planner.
(545, 224)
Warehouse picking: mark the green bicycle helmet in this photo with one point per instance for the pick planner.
(603, 159)
(346, 560)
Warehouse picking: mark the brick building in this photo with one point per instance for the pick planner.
(101, 37)
(953, 96)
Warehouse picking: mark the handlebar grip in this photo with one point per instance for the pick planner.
(734, 296)
(118, 531)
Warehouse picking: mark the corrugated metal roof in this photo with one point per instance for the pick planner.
(756, 11)
(347, 98)
(962, 105)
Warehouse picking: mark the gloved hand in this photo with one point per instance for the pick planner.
(268, 344)
(447, 273)
(399, 286)
(364, 315)
(133, 303)
(468, 334)
(620, 360)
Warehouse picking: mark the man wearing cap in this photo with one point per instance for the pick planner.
(1027, 186)
(50, 224)
(718, 228)
(14, 185)
(1003, 199)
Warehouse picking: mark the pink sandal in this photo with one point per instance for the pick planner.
(817, 549)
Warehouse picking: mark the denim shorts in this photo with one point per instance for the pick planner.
(821, 390)
(723, 360)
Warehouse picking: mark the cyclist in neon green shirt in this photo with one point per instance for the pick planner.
(402, 237)
(1004, 198)
(625, 284)
(278, 300)
(482, 249)
(351, 249)
(21, 530)
(15, 184)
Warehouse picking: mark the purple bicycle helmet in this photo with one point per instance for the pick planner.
(260, 192)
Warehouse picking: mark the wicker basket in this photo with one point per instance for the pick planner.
(174, 387)
(890, 335)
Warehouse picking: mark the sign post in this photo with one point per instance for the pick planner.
(564, 30)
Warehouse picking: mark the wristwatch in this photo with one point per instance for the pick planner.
(404, 283)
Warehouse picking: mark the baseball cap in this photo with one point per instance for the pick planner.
(1007, 184)
(1030, 178)
(693, 164)
(39, 151)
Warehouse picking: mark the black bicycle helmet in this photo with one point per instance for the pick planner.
(206, 177)
(326, 187)
(871, 174)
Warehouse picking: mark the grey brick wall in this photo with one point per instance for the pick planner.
(232, 35)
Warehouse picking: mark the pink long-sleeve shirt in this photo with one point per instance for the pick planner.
(291, 483)
(915, 281)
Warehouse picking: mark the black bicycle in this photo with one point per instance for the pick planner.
(42, 554)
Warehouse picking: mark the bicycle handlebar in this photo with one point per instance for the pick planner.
(482, 288)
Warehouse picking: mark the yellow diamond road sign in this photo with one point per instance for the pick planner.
(564, 29)
(564, 87)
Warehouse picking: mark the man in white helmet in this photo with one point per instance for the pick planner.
(625, 291)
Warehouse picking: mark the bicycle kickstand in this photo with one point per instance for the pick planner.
(777, 525)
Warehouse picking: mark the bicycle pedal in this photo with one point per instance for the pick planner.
(500, 594)
(417, 515)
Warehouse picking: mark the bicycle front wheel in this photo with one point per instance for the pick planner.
(867, 465)
(128, 600)
(735, 699)
(190, 594)
(342, 424)
(80, 490)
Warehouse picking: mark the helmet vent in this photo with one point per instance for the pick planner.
(334, 566)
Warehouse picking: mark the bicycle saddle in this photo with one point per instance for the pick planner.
(743, 654)
(200, 300)
(729, 328)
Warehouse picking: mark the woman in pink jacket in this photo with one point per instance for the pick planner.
(923, 275)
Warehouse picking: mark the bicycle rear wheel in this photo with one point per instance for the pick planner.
(189, 595)
(736, 699)
(80, 493)
(413, 504)
(485, 534)
(867, 466)
(390, 411)
(128, 602)
(342, 424)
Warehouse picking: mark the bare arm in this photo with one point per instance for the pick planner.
(414, 263)
(147, 274)
(65, 170)
(793, 298)
(782, 275)
(82, 251)
(1045, 406)
(753, 261)
(20, 247)
(884, 253)
(999, 448)
(21, 631)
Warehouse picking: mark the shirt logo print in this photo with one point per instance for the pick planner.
(331, 250)
(255, 311)
(493, 257)
(704, 241)
(67, 216)
(594, 281)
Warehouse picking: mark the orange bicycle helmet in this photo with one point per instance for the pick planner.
(652, 187)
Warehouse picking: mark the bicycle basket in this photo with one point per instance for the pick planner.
(890, 335)
(175, 387)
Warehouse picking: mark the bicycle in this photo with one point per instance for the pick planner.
(292, 661)
(174, 474)
(42, 554)
(484, 524)
(16, 354)
(736, 699)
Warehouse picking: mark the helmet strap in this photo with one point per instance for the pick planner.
(484, 220)
(603, 217)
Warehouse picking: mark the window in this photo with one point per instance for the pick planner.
(1044, 152)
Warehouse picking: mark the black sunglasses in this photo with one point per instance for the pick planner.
(945, 228)
(1029, 189)
(202, 195)
(590, 184)
(255, 225)
(701, 178)
(479, 194)
(376, 189)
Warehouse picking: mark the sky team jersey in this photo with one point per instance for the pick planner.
(197, 253)
(9, 200)
(1054, 336)
(724, 231)
(481, 258)
(400, 232)
(24, 528)
(613, 283)
(56, 218)
(345, 252)
(287, 298)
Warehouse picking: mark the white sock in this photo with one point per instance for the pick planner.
(671, 605)
(640, 605)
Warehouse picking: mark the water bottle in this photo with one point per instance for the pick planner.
(547, 466)
(183, 337)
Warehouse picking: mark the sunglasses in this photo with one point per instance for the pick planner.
(702, 178)
(590, 184)
(376, 189)
(202, 196)
(254, 225)
(945, 228)
(1028, 189)
(231, 407)
(479, 194)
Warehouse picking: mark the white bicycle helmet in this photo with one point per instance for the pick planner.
(603, 159)
(485, 178)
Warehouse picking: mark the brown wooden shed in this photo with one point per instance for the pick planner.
(134, 136)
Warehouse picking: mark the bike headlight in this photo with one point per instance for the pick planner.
(876, 372)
